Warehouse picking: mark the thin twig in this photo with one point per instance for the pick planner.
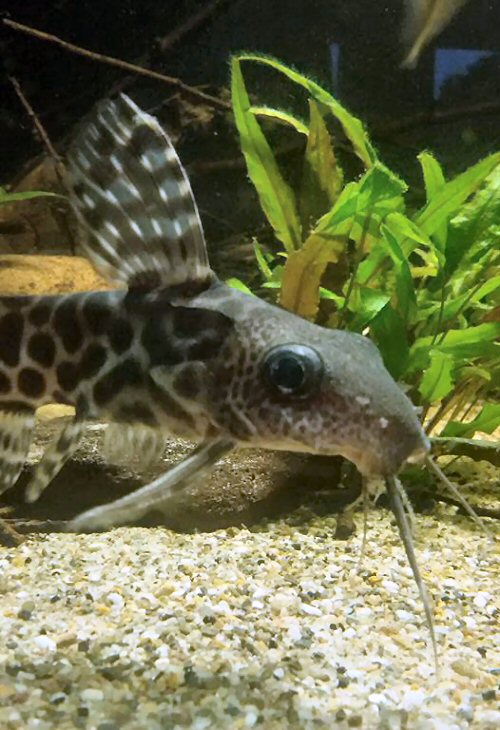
(118, 63)
(40, 129)
(59, 167)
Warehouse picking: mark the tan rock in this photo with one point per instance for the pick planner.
(48, 275)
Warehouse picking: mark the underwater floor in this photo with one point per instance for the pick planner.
(272, 626)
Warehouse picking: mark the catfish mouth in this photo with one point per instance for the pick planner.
(383, 462)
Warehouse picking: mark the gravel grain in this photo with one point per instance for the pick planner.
(274, 627)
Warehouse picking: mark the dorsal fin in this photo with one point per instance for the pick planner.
(133, 197)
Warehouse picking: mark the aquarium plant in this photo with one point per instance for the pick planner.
(424, 283)
(7, 198)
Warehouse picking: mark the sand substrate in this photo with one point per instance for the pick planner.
(273, 626)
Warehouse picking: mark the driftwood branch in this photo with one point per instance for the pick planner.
(480, 511)
(196, 20)
(434, 116)
(191, 91)
(166, 43)
(476, 449)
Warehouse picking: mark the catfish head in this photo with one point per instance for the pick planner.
(280, 382)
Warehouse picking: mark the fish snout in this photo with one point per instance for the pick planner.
(400, 445)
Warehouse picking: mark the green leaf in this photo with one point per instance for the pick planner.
(271, 285)
(366, 304)
(446, 202)
(327, 294)
(338, 220)
(487, 421)
(281, 116)
(453, 307)
(473, 371)
(476, 228)
(434, 182)
(462, 344)
(437, 380)
(235, 283)
(405, 291)
(262, 261)
(380, 186)
(380, 194)
(303, 272)
(321, 176)
(376, 193)
(276, 197)
(353, 128)
(410, 238)
(433, 174)
(408, 235)
(389, 332)
(6, 198)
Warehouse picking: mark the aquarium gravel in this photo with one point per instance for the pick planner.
(273, 627)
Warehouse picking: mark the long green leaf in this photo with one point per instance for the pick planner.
(390, 334)
(405, 291)
(433, 174)
(447, 201)
(462, 344)
(321, 175)
(380, 187)
(377, 193)
(281, 116)
(235, 283)
(487, 421)
(434, 181)
(437, 380)
(353, 128)
(276, 197)
(262, 262)
(476, 228)
(6, 198)
(453, 307)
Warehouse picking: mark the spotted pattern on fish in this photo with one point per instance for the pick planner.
(176, 351)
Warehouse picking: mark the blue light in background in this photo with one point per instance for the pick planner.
(334, 64)
(449, 62)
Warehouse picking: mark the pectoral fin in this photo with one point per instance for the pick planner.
(54, 458)
(16, 428)
(155, 496)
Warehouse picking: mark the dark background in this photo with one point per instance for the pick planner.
(62, 87)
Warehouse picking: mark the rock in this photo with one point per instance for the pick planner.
(48, 275)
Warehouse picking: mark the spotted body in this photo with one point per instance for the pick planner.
(175, 350)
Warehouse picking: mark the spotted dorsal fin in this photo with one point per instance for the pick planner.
(134, 200)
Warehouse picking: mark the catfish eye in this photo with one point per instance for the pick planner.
(293, 370)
